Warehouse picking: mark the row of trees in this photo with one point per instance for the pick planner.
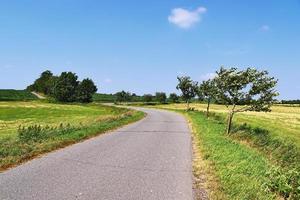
(65, 87)
(238, 90)
(160, 97)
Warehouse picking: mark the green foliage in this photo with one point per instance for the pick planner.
(123, 96)
(207, 91)
(251, 88)
(65, 89)
(161, 97)
(85, 91)
(104, 97)
(147, 98)
(174, 98)
(37, 133)
(284, 182)
(188, 88)
(44, 83)
(16, 95)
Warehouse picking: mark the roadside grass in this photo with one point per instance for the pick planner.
(259, 160)
(33, 128)
(239, 169)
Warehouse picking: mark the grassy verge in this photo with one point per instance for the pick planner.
(240, 170)
(259, 160)
(32, 139)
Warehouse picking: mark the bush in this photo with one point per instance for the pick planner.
(284, 182)
(37, 133)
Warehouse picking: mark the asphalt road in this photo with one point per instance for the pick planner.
(150, 159)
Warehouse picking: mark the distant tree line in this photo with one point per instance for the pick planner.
(238, 90)
(291, 101)
(65, 87)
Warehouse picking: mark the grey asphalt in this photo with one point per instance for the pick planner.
(150, 159)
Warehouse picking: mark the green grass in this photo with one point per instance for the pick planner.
(240, 169)
(16, 95)
(28, 129)
(259, 160)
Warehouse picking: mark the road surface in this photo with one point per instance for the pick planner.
(150, 159)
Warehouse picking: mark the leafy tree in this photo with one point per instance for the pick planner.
(207, 91)
(85, 90)
(123, 96)
(253, 90)
(161, 97)
(174, 98)
(65, 89)
(43, 84)
(147, 98)
(188, 89)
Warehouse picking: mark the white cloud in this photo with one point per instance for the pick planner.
(184, 18)
(107, 80)
(265, 28)
(207, 76)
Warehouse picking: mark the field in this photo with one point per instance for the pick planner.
(16, 95)
(259, 160)
(28, 129)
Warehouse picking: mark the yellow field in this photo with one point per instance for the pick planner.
(282, 122)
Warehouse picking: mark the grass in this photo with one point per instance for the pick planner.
(28, 129)
(16, 95)
(259, 160)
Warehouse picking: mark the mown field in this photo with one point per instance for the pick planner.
(28, 129)
(16, 95)
(260, 159)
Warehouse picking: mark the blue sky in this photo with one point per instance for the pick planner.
(141, 46)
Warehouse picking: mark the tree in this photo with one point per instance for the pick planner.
(188, 89)
(251, 89)
(65, 89)
(174, 98)
(207, 91)
(147, 98)
(123, 96)
(43, 84)
(161, 97)
(85, 90)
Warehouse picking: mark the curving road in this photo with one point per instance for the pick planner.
(150, 159)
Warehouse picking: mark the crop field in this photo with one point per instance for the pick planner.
(260, 159)
(28, 129)
(16, 95)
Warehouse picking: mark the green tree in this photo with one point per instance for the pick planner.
(43, 84)
(161, 97)
(207, 91)
(123, 96)
(85, 90)
(174, 98)
(251, 89)
(65, 89)
(188, 88)
(147, 98)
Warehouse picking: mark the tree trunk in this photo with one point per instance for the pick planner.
(207, 109)
(229, 123)
(187, 105)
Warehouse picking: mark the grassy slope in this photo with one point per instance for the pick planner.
(16, 95)
(85, 121)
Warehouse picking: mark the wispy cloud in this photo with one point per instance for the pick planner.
(184, 18)
(264, 28)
